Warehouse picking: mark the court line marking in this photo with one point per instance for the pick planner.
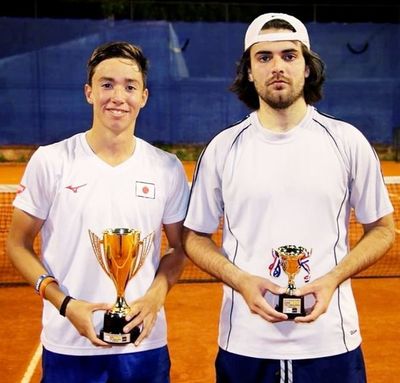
(32, 365)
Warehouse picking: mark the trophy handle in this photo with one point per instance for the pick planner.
(96, 245)
(143, 251)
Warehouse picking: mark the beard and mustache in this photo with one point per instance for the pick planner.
(279, 98)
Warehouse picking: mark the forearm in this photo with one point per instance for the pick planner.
(376, 241)
(24, 229)
(203, 251)
(28, 264)
(171, 264)
(169, 270)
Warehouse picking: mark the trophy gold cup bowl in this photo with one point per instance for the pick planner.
(290, 258)
(121, 254)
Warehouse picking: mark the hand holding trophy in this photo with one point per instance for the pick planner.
(291, 258)
(122, 256)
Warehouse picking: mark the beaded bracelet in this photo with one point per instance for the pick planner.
(40, 280)
(64, 304)
(45, 283)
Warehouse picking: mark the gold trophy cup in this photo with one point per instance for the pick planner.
(290, 257)
(121, 254)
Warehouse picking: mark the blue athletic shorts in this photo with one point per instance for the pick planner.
(151, 366)
(343, 368)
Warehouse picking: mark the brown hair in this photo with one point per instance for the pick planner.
(117, 49)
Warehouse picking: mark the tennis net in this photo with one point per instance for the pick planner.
(387, 266)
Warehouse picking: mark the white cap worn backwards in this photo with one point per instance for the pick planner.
(255, 34)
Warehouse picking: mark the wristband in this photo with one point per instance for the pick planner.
(40, 280)
(46, 281)
(64, 305)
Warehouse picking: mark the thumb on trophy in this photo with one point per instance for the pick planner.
(298, 292)
(281, 290)
(101, 306)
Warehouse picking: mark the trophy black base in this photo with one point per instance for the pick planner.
(291, 305)
(112, 331)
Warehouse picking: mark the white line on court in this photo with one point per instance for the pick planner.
(32, 365)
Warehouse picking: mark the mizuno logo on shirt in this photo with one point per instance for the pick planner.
(75, 188)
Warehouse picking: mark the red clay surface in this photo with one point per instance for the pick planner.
(192, 313)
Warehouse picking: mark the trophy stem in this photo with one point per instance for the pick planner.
(120, 306)
(291, 287)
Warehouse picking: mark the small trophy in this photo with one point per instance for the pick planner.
(292, 258)
(122, 256)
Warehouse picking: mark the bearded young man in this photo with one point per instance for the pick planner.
(284, 180)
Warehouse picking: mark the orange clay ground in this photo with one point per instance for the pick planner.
(192, 314)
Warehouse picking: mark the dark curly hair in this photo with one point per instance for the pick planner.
(246, 91)
(115, 49)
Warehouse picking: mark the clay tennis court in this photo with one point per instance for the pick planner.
(192, 313)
